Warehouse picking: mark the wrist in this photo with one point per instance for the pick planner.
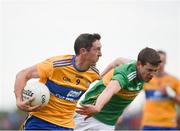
(19, 98)
(97, 109)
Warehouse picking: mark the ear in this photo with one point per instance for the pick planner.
(139, 64)
(82, 51)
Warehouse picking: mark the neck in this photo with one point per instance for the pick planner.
(81, 64)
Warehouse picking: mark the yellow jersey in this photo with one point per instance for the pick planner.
(159, 109)
(66, 84)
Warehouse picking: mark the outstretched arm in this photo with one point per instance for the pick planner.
(113, 64)
(89, 110)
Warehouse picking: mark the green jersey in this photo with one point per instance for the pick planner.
(131, 85)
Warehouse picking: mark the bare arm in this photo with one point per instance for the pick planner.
(112, 88)
(113, 64)
(89, 110)
(21, 79)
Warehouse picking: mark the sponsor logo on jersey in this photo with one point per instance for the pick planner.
(66, 79)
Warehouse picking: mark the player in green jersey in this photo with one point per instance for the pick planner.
(108, 98)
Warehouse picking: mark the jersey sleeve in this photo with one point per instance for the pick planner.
(175, 84)
(120, 77)
(177, 87)
(45, 69)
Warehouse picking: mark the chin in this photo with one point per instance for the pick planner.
(148, 80)
(93, 64)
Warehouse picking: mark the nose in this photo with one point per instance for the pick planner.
(152, 74)
(100, 54)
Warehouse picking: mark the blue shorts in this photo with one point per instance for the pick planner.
(34, 123)
(158, 128)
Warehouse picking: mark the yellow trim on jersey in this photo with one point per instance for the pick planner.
(128, 95)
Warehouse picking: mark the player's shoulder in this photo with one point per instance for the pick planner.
(61, 57)
(127, 70)
(129, 67)
(131, 70)
(170, 76)
(131, 62)
(60, 60)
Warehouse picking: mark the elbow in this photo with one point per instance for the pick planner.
(23, 74)
(18, 75)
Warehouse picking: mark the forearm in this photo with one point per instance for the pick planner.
(21, 79)
(20, 82)
(103, 98)
(112, 88)
(89, 110)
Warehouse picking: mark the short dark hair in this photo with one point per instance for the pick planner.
(85, 41)
(161, 52)
(149, 55)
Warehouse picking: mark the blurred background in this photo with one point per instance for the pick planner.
(33, 30)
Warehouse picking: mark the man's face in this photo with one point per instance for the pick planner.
(94, 53)
(163, 62)
(147, 71)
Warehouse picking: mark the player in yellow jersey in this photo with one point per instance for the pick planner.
(162, 93)
(67, 77)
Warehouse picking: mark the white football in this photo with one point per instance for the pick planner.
(39, 91)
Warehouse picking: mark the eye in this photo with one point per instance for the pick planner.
(150, 70)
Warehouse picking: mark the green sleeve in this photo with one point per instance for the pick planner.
(121, 79)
